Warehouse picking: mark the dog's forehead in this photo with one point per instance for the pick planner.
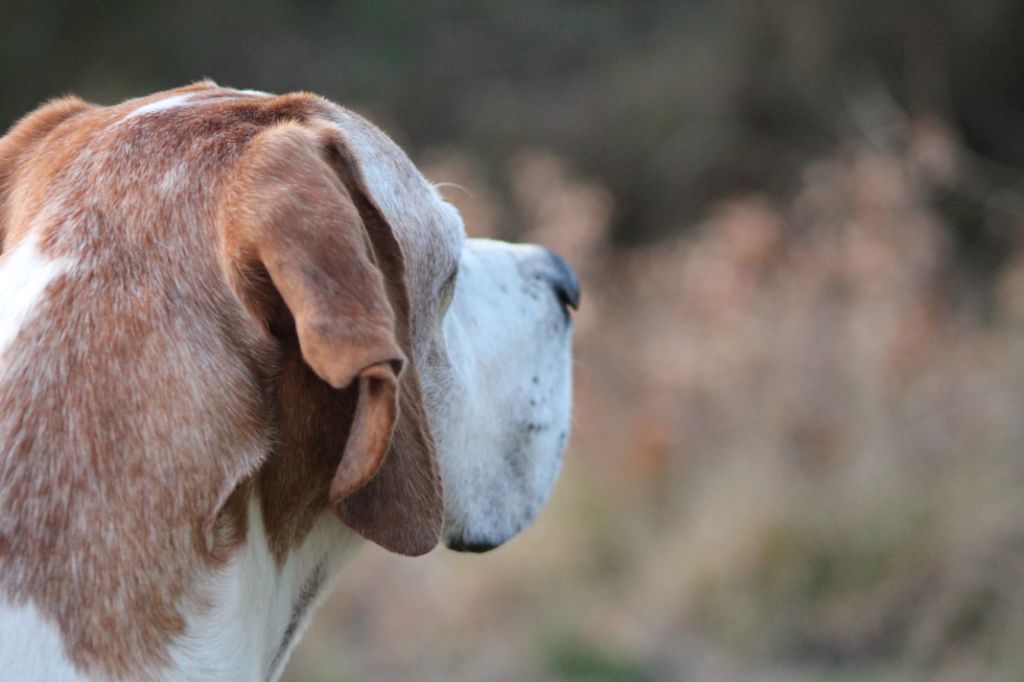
(429, 229)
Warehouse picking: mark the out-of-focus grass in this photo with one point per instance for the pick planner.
(797, 453)
(570, 659)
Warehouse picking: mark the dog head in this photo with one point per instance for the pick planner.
(457, 350)
(491, 345)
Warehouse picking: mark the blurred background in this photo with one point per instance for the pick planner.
(799, 422)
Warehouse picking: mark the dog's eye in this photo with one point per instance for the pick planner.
(447, 291)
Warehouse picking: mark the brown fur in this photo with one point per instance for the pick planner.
(236, 318)
(22, 141)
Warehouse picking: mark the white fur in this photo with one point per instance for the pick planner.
(502, 428)
(34, 643)
(24, 275)
(237, 621)
(160, 105)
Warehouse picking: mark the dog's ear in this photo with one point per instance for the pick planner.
(296, 223)
(19, 143)
(410, 480)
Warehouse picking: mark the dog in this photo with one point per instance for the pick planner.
(240, 335)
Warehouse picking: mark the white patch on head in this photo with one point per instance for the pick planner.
(237, 627)
(255, 93)
(31, 646)
(24, 275)
(160, 105)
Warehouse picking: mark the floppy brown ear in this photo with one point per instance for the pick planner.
(293, 224)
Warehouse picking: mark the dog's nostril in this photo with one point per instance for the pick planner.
(564, 281)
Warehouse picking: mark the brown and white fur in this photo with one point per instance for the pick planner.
(240, 333)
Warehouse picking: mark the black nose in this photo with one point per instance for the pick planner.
(564, 281)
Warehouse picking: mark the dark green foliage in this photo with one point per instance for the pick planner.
(573, 660)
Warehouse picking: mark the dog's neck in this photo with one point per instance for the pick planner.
(245, 620)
